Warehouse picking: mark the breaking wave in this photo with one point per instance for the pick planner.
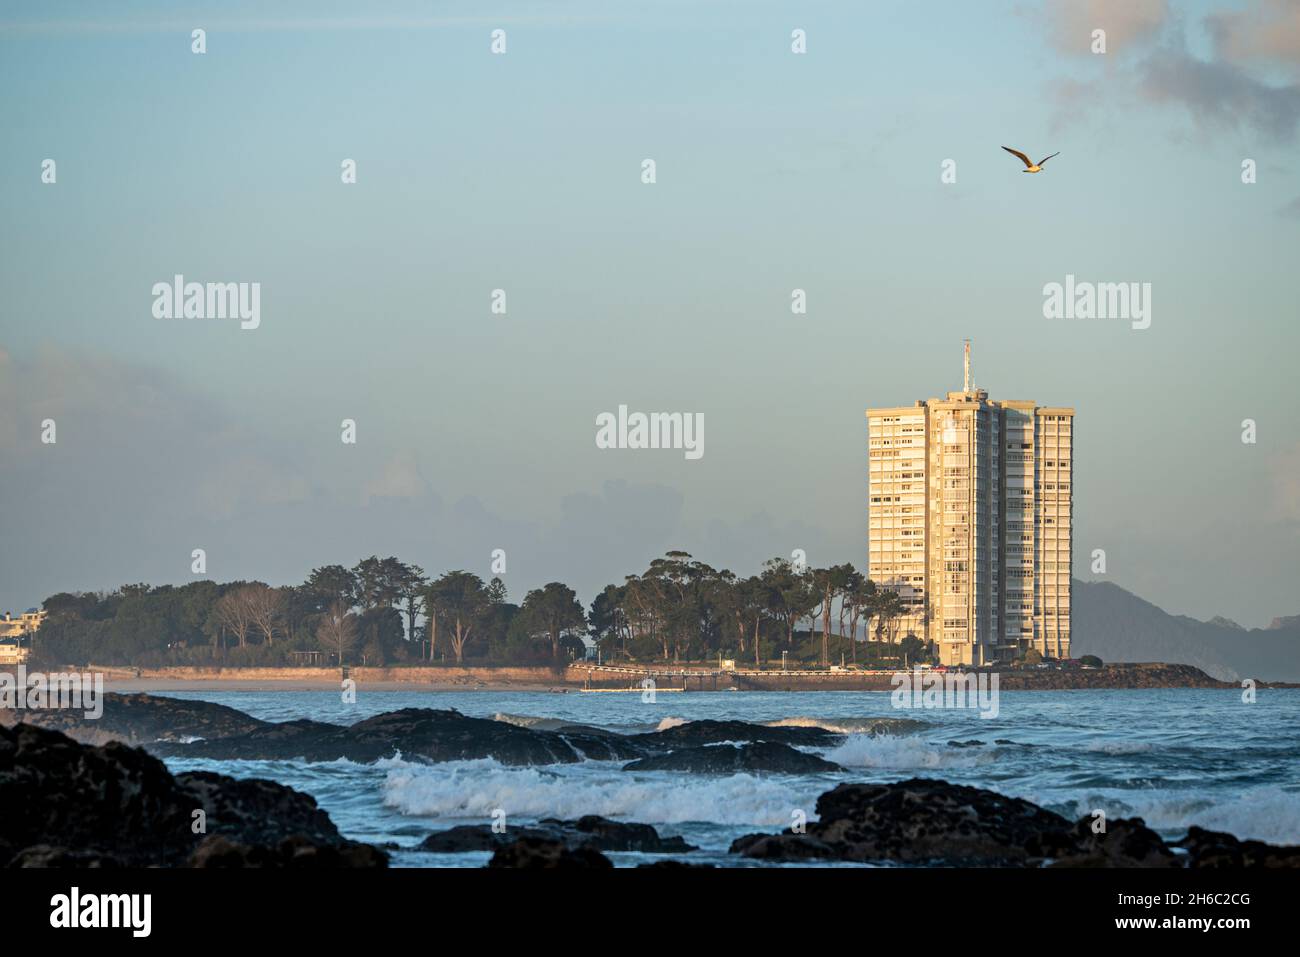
(667, 723)
(473, 789)
(853, 725)
(1270, 814)
(890, 752)
(532, 721)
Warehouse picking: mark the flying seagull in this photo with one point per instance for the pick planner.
(1030, 166)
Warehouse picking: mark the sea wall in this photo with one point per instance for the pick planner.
(586, 676)
(435, 675)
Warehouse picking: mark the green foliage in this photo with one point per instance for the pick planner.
(914, 650)
(383, 612)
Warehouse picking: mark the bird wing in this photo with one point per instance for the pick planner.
(1023, 158)
(1042, 161)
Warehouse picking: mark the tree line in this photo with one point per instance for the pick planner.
(383, 611)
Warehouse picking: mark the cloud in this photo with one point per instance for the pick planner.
(1070, 22)
(146, 469)
(1220, 95)
(1231, 91)
(1268, 30)
(1291, 210)
(401, 478)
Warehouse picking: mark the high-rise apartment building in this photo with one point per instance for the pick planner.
(969, 521)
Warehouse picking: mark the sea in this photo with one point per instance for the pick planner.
(1174, 757)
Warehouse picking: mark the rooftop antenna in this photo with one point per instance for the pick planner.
(967, 365)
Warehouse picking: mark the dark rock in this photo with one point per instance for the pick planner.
(296, 852)
(922, 821)
(698, 733)
(1212, 849)
(783, 847)
(1126, 842)
(43, 855)
(70, 804)
(1115, 675)
(607, 835)
(766, 756)
(467, 838)
(590, 831)
(537, 852)
(140, 719)
(919, 821)
(421, 733)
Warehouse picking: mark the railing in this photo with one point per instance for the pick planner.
(650, 672)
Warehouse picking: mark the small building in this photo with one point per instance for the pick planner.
(16, 635)
(21, 625)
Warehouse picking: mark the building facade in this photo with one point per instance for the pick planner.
(969, 519)
(16, 636)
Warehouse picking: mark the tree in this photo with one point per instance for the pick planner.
(378, 582)
(379, 633)
(603, 619)
(913, 650)
(265, 609)
(789, 594)
(330, 584)
(461, 600)
(337, 631)
(642, 602)
(233, 614)
(861, 598)
(888, 607)
(827, 583)
(410, 589)
(555, 610)
(754, 601)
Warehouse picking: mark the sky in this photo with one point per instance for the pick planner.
(522, 171)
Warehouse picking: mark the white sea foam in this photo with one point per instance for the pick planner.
(881, 725)
(473, 789)
(532, 721)
(667, 723)
(1269, 814)
(889, 751)
(1118, 747)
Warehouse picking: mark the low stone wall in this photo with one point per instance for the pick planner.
(436, 675)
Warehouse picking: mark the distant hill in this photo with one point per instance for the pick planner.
(1116, 625)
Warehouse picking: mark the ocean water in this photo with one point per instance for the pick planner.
(1174, 757)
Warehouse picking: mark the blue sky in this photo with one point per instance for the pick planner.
(775, 171)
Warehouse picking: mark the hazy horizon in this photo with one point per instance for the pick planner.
(775, 171)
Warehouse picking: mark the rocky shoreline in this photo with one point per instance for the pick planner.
(109, 806)
(929, 822)
(179, 727)
(94, 793)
